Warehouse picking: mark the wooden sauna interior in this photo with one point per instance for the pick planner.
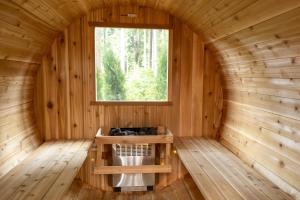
(233, 109)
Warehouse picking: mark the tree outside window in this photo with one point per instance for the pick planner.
(131, 64)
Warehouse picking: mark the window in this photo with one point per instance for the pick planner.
(131, 64)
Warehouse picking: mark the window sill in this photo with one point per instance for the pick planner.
(133, 103)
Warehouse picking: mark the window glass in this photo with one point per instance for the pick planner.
(131, 64)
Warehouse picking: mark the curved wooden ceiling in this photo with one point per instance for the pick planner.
(28, 26)
(257, 43)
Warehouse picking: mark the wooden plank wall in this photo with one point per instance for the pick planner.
(68, 84)
(261, 67)
(19, 134)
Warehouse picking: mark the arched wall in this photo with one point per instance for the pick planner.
(261, 122)
(68, 85)
(255, 41)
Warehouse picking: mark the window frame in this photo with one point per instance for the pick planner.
(167, 102)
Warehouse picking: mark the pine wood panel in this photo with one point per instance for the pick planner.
(47, 173)
(182, 189)
(68, 84)
(261, 116)
(19, 134)
(252, 39)
(28, 32)
(23, 36)
(210, 164)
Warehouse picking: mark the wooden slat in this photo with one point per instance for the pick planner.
(146, 169)
(54, 164)
(155, 139)
(67, 176)
(233, 179)
(18, 130)
(181, 189)
(277, 163)
(200, 176)
(69, 106)
(130, 25)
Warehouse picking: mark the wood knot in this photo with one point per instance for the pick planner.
(281, 164)
(74, 43)
(75, 125)
(50, 105)
(293, 61)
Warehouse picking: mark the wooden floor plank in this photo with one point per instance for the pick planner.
(176, 191)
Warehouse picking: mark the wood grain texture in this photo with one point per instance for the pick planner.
(47, 173)
(69, 83)
(221, 175)
(147, 169)
(255, 41)
(184, 188)
(19, 133)
(261, 119)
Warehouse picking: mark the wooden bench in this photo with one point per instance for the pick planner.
(47, 173)
(219, 174)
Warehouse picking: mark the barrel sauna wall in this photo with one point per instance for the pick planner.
(256, 43)
(19, 133)
(68, 84)
(261, 71)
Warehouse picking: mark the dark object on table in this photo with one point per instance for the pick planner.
(133, 131)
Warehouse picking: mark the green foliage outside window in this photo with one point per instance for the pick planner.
(131, 64)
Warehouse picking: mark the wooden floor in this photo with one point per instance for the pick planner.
(47, 173)
(183, 189)
(219, 174)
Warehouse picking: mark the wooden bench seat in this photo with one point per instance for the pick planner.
(219, 174)
(47, 173)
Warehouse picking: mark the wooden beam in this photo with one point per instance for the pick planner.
(153, 139)
(166, 138)
(135, 103)
(130, 25)
(145, 169)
